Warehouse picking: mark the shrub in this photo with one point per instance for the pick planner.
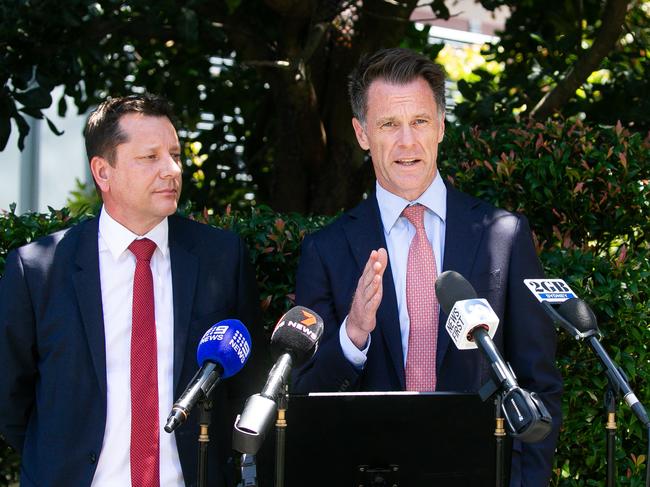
(586, 192)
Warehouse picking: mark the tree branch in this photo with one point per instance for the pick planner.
(610, 30)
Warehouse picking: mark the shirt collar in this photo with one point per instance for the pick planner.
(391, 206)
(118, 238)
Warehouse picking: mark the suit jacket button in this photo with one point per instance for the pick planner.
(93, 457)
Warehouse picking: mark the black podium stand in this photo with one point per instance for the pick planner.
(393, 439)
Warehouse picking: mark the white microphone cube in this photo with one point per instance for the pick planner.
(465, 316)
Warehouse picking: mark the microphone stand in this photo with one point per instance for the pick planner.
(280, 436)
(489, 389)
(204, 439)
(500, 434)
(610, 427)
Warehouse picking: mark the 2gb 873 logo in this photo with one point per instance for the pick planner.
(550, 290)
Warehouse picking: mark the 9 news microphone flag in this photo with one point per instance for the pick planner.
(222, 352)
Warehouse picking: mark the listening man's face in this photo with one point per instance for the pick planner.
(143, 184)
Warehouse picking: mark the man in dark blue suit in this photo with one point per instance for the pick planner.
(67, 394)
(368, 273)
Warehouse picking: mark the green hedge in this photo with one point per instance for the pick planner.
(585, 191)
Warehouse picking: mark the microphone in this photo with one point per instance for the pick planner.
(579, 314)
(472, 323)
(576, 317)
(295, 339)
(222, 352)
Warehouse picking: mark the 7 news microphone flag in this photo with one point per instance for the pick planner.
(295, 339)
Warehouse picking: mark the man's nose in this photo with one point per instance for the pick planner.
(407, 135)
(172, 167)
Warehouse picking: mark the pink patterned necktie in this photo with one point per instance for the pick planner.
(145, 428)
(422, 305)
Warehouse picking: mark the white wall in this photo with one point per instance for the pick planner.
(62, 159)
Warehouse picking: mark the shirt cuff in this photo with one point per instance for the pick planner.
(355, 356)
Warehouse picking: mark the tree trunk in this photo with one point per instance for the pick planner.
(317, 165)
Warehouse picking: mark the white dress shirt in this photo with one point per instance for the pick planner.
(116, 269)
(399, 232)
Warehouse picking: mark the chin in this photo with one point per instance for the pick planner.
(168, 210)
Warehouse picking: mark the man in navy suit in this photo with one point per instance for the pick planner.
(354, 272)
(66, 388)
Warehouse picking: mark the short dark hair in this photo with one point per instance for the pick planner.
(397, 66)
(102, 133)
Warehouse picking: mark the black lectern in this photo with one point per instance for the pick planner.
(390, 439)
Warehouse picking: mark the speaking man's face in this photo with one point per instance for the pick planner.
(402, 130)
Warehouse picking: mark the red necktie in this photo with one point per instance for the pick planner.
(145, 427)
(422, 305)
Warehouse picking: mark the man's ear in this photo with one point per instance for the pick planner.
(360, 132)
(441, 128)
(101, 170)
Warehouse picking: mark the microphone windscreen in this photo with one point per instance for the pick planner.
(298, 333)
(579, 314)
(228, 344)
(452, 287)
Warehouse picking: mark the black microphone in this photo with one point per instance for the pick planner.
(579, 314)
(222, 352)
(295, 339)
(471, 323)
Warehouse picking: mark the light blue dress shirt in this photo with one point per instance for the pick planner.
(399, 232)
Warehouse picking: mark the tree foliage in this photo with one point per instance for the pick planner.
(260, 85)
(586, 58)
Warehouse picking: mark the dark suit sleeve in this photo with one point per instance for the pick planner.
(328, 370)
(17, 353)
(530, 344)
(251, 379)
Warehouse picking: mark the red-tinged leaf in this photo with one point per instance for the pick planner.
(266, 302)
(623, 158)
(609, 152)
(228, 209)
(539, 142)
(619, 128)
(279, 224)
(578, 187)
(268, 250)
(291, 297)
(488, 165)
(622, 254)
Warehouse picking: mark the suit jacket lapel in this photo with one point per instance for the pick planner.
(463, 232)
(364, 232)
(89, 297)
(185, 265)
